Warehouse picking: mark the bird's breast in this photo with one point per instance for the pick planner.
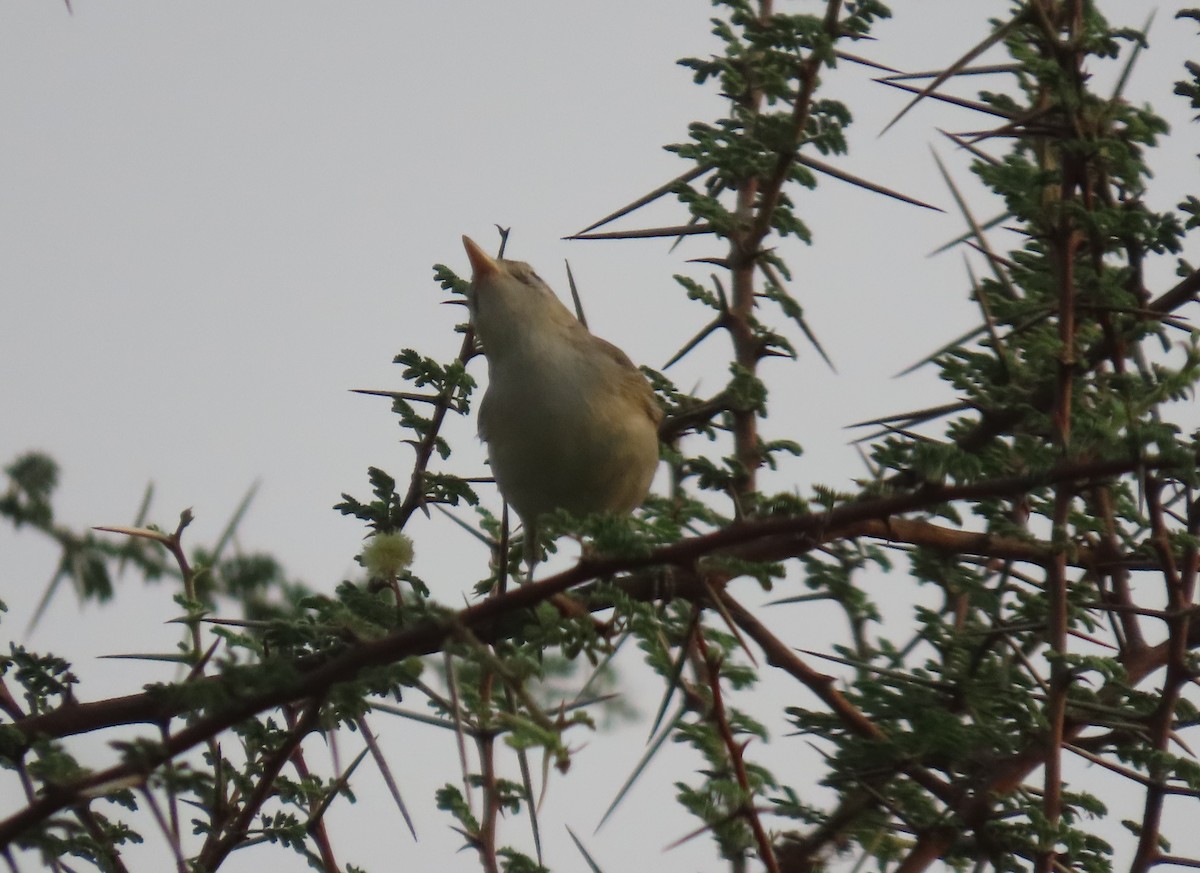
(564, 431)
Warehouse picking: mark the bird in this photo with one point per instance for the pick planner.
(568, 420)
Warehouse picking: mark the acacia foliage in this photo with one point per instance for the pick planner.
(1049, 497)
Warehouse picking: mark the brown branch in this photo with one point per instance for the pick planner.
(1060, 680)
(691, 418)
(1177, 860)
(315, 825)
(1184, 292)
(1130, 635)
(1178, 674)
(314, 677)
(756, 203)
(218, 846)
(485, 839)
(108, 856)
(798, 854)
(801, 109)
(784, 657)
(994, 422)
(1126, 772)
(735, 751)
(415, 495)
(931, 845)
(761, 539)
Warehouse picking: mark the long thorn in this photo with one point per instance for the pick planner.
(682, 179)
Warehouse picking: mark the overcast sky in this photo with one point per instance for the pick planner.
(218, 217)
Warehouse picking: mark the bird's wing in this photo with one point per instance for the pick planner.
(633, 377)
(484, 413)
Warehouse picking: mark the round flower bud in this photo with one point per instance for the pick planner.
(387, 555)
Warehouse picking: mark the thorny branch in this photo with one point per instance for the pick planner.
(316, 677)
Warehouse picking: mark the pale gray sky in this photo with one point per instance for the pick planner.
(217, 217)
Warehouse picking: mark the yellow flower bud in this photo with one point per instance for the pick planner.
(386, 555)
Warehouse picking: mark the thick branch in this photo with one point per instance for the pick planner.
(313, 679)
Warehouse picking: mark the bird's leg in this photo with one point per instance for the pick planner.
(567, 605)
(501, 559)
(531, 551)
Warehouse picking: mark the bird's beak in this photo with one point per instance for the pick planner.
(482, 264)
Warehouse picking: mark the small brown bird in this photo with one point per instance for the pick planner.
(570, 423)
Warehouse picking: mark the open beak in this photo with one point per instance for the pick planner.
(482, 264)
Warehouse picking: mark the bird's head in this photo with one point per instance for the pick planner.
(509, 302)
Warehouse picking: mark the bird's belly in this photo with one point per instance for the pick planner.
(553, 452)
